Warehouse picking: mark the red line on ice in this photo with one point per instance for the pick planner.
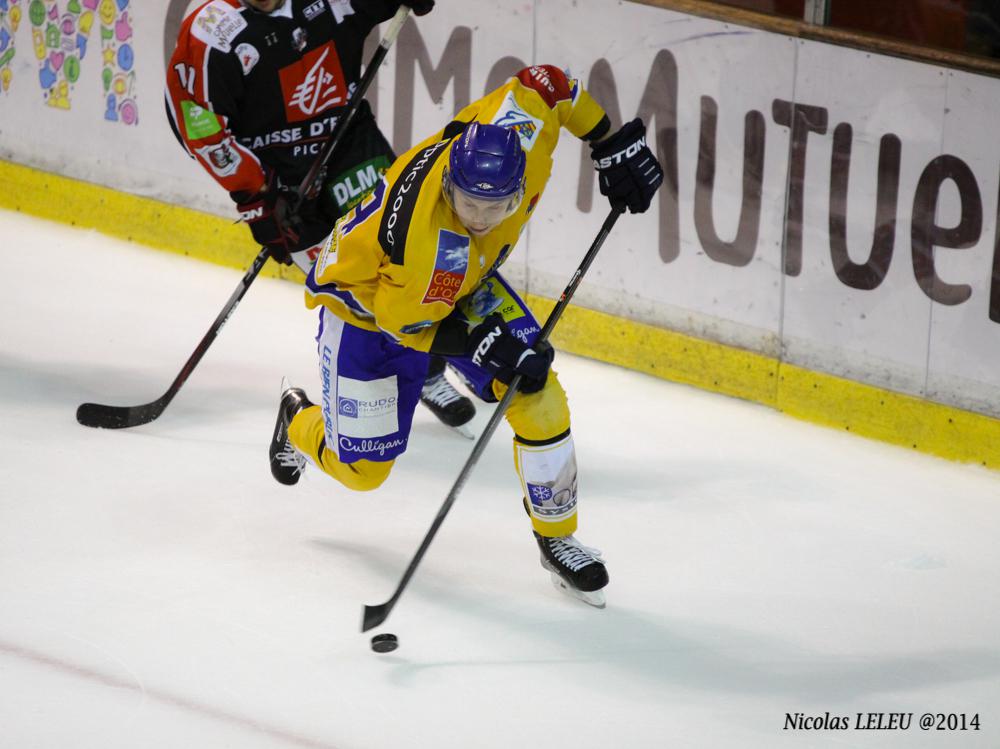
(158, 696)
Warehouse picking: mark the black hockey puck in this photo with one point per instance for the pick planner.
(385, 643)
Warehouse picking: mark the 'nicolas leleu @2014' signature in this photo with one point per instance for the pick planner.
(881, 722)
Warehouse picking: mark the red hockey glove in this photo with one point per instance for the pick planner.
(629, 174)
(494, 348)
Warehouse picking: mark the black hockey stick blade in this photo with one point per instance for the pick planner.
(100, 416)
(375, 615)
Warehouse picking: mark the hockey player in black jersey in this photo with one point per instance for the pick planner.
(254, 89)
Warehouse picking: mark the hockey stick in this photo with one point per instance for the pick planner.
(121, 417)
(375, 615)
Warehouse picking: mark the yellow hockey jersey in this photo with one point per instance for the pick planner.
(400, 261)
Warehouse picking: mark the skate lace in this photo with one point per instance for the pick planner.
(572, 554)
(439, 391)
(289, 457)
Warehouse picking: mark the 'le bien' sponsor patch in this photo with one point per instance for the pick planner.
(450, 266)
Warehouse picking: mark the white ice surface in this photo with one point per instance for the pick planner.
(159, 590)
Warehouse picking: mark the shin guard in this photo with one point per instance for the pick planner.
(548, 479)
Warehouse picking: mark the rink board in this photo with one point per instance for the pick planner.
(825, 243)
(825, 399)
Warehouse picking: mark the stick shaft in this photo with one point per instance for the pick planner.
(348, 117)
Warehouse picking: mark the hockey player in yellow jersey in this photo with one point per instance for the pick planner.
(414, 270)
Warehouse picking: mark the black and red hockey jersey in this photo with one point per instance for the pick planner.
(247, 89)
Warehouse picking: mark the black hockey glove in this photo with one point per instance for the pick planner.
(420, 7)
(628, 173)
(268, 214)
(494, 348)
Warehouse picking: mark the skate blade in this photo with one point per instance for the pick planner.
(593, 598)
(465, 432)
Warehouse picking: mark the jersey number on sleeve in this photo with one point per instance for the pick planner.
(364, 210)
(186, 74)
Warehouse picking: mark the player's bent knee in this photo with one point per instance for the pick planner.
(367, 475)
(543, 415)
(360, 476)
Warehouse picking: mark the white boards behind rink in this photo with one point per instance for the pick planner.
(827, 206)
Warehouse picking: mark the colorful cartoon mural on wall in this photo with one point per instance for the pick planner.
(60, 39)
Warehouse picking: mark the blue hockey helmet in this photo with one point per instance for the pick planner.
(484, 180)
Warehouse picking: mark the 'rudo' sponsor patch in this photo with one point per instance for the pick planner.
(450, 266)
(367, 408)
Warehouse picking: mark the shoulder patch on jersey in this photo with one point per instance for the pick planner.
(450, 266)
(199, 122)
(217, 25)
(223, 158)
(249, 56)
(341, 9)
(402, 200)
(549, 81)
(511, 116)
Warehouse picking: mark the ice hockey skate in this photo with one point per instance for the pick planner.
(450, 407)
(577, 570)
(287, 463)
